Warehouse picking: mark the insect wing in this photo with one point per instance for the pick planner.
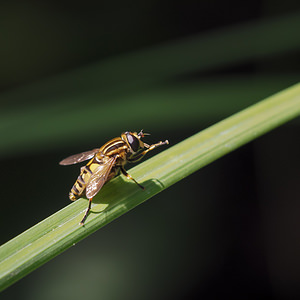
(77, 158)
(99, 177)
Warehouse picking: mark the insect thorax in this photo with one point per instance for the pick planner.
(114, 147)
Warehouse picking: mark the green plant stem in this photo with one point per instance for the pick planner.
(60, 231)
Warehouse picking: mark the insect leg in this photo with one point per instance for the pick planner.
(130, 177)
(149, 148)
(86, 213)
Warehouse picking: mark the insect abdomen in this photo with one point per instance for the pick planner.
(83, 179)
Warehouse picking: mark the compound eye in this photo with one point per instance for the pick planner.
(133, 142)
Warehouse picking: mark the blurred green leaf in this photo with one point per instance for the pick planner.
(50, 124)
(78, 103)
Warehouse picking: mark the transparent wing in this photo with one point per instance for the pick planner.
(99, 177)
(77, 158)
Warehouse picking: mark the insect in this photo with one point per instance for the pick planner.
(107, 162)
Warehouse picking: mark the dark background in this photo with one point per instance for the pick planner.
(229, 230)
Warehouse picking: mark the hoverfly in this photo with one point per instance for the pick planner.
(107, 162)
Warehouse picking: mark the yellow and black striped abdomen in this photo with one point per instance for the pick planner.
(85, 174)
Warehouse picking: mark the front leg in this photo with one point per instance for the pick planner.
(149, 148)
